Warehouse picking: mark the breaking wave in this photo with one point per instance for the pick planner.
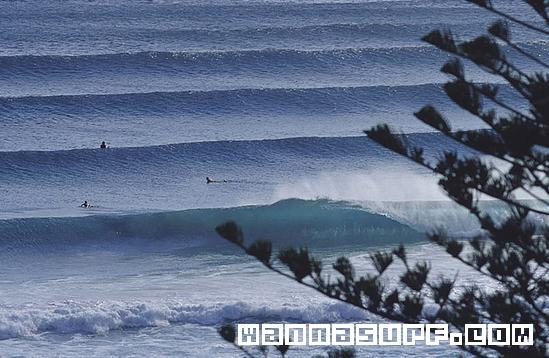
(291, 221)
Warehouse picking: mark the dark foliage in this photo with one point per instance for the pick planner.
(512, 166)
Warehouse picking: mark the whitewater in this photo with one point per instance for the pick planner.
(271, 96)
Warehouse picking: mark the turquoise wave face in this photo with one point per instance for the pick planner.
(288, 222)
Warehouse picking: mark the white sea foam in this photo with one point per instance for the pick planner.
(389, 184)
(102, 317)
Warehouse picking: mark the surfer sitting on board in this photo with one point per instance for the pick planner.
(210, 180)
(103, 145)
(85, 204)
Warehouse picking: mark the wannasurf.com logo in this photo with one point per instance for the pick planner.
(389, 334)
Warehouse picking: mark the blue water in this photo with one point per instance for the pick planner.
(271, 96)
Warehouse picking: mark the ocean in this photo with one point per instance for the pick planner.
(270, 97)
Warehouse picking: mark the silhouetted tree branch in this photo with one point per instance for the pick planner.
(510, 159)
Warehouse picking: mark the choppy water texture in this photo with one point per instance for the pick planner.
(271, 96)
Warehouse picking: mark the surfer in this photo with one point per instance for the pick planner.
(103, 145)
(210, 181)
(85, 204)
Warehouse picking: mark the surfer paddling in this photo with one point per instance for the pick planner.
(210, 180)
(86, 204)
